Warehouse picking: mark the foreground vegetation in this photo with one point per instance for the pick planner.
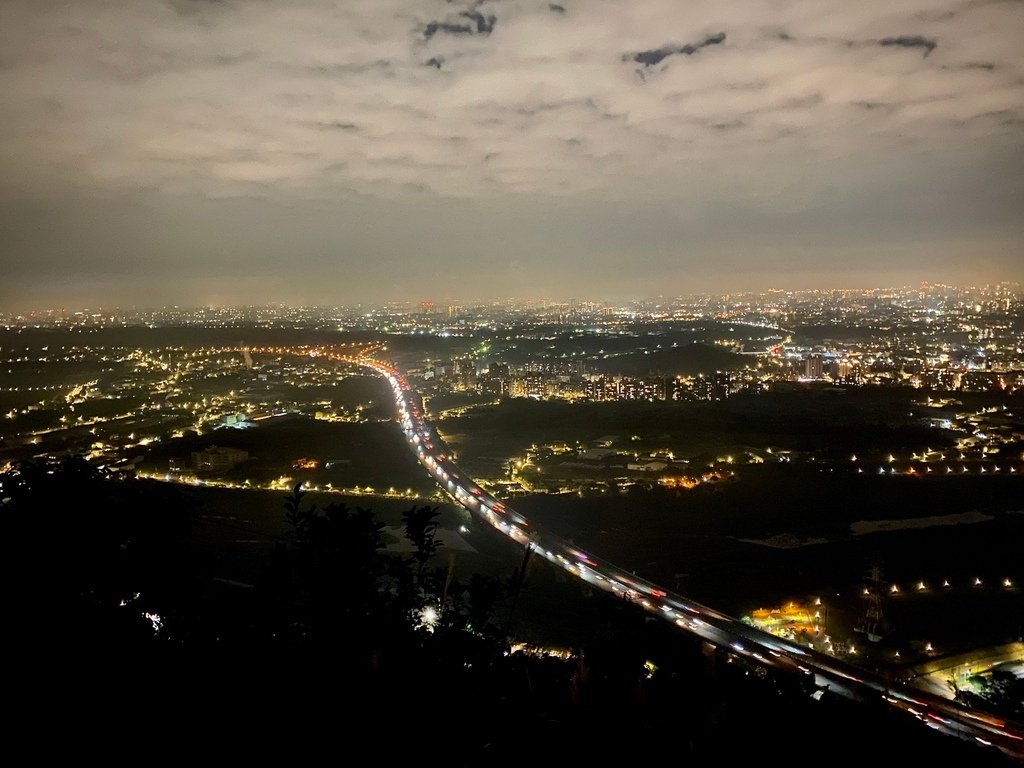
(343, 646)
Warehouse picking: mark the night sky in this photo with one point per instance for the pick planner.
(247, 151)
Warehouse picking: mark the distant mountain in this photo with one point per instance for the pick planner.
(688, 360)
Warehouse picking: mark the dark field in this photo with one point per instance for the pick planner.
(239, 527)
(688, 360)
(372, 454)
(833, 423)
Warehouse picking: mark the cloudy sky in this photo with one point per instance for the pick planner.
(212, 151)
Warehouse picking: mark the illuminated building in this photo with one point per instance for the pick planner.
(814, 367)
(216, 459)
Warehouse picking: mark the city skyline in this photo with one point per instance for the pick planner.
(221, 153)
(459, 305)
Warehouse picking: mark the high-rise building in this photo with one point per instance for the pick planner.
(680, 389)
(814, 367)
(703, 388)
(493, 386)
(722, 385)
(530, 385)
(215, 459)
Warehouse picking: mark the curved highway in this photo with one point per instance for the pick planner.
(716, 628)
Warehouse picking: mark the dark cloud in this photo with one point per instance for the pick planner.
(476, 24)
(910, 41)
(484, 24)
(656, 55)
(988, 66)
(556, 8)
(435, 62)
(452, 28)
(336, 126)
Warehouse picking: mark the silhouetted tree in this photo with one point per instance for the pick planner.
(516, 582)
(998, 691)
(102, 559)
(334, 578)
(484, 593)
(421, 529)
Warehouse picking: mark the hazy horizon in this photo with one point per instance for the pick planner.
(441, 303)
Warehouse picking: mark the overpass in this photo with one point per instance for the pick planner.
(721, 631)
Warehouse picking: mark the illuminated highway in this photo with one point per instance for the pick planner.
(716, 628)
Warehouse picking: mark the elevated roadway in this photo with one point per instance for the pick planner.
(688, 615)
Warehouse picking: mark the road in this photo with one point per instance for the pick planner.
(688, 615)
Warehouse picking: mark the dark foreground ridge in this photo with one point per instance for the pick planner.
(127, 630)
